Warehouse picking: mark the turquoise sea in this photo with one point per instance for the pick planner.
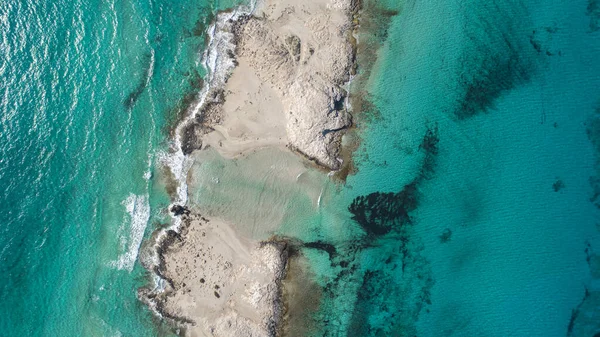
(474, 209)
(89, 91)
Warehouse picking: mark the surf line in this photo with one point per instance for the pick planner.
(218, 59)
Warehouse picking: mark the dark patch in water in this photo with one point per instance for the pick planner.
(134, 96)
(575, 313)
(396, 287)
(558, 185)
(588, 253)
(200, 25)
(178, 111)
(395, 298)
(446, 235)
(534, 43)
(593, 11)
(376, 20)
(320, 245)
(494, 77)
(379, 213)
(495, 59)
(593, 133)
(430, 146)
(301, 296)
(368, 289)
(541, 41)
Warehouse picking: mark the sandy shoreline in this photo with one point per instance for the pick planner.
(276, 81)
(218, 282)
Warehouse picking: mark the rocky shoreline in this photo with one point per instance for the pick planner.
(302, 56)
(218, 283)
(278, 79)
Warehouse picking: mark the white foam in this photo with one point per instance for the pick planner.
(218, 65)
(138, 208)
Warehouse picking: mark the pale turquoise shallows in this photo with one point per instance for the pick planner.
(475, 205)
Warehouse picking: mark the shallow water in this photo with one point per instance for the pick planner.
(470, 212)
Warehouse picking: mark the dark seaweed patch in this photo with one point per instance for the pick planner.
(179, 109)
(368, 289)
(430, 146)
(494, 62)
(558, 185)
(446, 235)
(497, 75)
(395, 298)
(541, 41)
(593, 132)
(593, 11)
(575, 313)
(320, 245)
(534, 43)
(134, 96)
(399, 292)
(375, 21)
(200, 26)
(379, 213)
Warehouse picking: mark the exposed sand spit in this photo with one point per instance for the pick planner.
(276, 81)
(219, 283)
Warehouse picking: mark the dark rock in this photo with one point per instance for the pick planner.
(178, 210)
(320, 245)
(191, 135)
(558, 185)
(446, 235)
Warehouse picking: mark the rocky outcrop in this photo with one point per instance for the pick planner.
(305, 56)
